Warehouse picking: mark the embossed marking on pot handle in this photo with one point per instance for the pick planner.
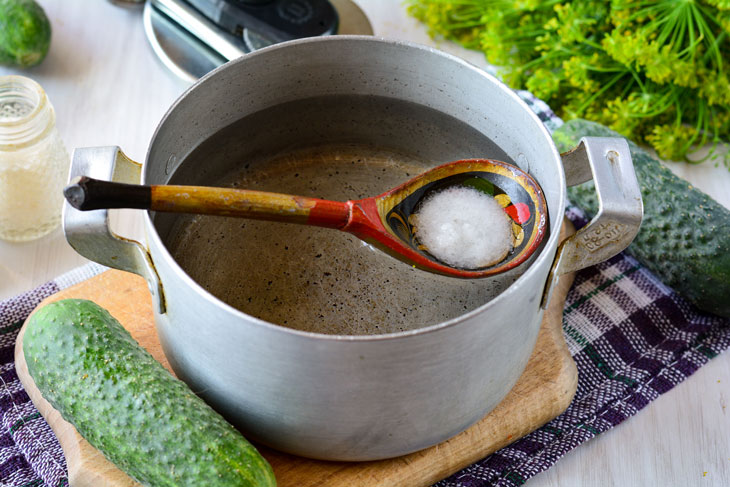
(620, 209)
(89, 232)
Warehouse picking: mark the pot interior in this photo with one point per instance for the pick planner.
(338, 118)
(320, 280)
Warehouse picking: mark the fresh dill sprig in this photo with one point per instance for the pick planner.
(655, 71)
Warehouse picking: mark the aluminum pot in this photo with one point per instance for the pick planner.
(347, 397)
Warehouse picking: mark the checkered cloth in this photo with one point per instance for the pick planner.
(30, 455)
(631, 337)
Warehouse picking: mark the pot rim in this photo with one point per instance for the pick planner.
(154, 237)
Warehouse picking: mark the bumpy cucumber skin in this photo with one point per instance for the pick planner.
(684, 238)
(128, 406)
(25, 33)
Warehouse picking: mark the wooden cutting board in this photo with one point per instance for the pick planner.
(543, 391)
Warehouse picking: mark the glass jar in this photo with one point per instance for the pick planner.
(34, 163)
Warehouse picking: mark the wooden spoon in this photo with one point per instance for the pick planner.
(383, 221)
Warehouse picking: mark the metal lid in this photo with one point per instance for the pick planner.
(191, 45)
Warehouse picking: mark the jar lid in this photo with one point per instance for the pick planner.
(25, 112)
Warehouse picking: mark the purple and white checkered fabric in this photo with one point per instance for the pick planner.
(631, 337)
(30, 455)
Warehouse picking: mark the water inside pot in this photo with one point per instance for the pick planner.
(316, 279)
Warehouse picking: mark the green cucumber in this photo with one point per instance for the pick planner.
(684, 237)
(25, 33)
(144, 420)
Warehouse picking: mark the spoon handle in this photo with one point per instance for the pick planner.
(92, 194)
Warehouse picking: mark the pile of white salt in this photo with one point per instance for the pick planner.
(463, 227)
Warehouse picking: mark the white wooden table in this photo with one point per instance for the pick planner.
(109, 89)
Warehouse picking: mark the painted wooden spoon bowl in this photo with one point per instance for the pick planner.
(384, 221)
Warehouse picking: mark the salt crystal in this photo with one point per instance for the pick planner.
(463, 227)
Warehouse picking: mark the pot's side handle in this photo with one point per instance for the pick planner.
(89, 232)
(620, 208)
